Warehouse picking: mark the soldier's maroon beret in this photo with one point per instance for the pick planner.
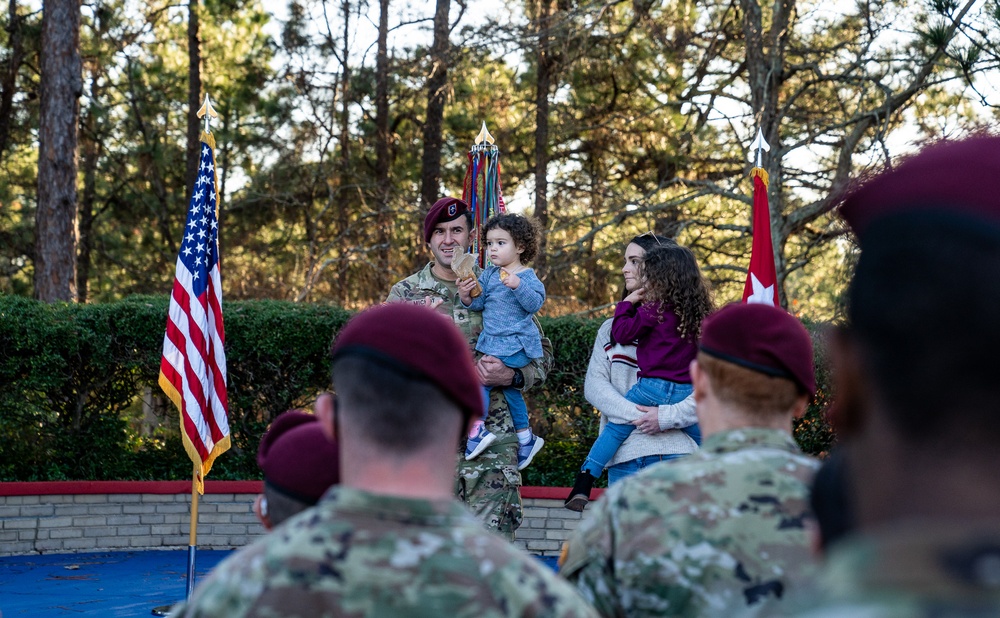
(960, 177)
(445, 209)
(763, 338)
(297, 458)
(416, 342)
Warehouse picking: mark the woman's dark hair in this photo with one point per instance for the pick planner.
(646, 242)
(672, 277)
(650, 241)
(522, 230)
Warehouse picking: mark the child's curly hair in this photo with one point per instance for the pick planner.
(673, 278)
(522, 230)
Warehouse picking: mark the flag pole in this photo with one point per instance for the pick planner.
(762, 278)
(481, 189)
(193, 365)
(193, 538)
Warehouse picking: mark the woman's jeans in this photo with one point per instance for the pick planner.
(627, 468)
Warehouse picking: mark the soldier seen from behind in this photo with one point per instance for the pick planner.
(295, 455)
(917, 378)
(722, 531)
(391, 540)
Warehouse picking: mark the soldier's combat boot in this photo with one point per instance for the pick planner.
(580, 496)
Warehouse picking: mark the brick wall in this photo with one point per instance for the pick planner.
(96, 516)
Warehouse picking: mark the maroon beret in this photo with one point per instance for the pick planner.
(297, 458)
(419, 343)
(445, 209)
(952, 176)
(763, 338)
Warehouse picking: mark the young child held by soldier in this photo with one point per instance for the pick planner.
(511, 294)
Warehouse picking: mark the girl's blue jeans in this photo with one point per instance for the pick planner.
(645, 392)
(515, 400)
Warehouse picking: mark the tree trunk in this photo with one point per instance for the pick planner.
(91, 147)
(223, 154)
(430, 173)
(61, 86)
(343, 212)
(194, 101)
(542, 88)
(91, 154)
(384, 220)
(8, 77)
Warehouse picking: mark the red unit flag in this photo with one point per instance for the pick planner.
(762, 278)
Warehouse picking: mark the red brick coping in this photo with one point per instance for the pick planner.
(49, 488)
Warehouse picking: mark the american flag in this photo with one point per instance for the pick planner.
(193, 367)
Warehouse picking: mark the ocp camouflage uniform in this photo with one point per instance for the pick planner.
(361, 554)
(718, 533)
(490, 484)
(911, 570)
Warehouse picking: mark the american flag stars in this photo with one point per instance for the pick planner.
(199, 251)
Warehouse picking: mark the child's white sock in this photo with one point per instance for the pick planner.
(524, 436)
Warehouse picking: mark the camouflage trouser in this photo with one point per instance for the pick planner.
(490, 484)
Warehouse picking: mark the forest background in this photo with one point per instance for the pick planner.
(341, 121)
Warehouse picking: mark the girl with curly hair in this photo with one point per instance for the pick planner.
(511, 294)
(663, 316)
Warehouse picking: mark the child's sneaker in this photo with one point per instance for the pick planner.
(580, 496)
(527, 452)
(478, 443)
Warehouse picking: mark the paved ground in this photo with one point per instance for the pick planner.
(115, 584)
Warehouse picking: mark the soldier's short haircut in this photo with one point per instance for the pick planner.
(280, 506)
(923, 306)
(400, 413)
(752, 392)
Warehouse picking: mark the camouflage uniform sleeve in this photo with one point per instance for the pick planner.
(538, 368)
(398, 293)
(587, 559)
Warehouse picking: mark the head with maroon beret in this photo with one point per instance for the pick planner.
(395, 360)
(952, 179)
(761, 338)
(922, 305)
(444, 210)
(299, 463)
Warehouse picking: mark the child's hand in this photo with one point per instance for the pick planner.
(511, 281)
(465, 287)
(635, 297)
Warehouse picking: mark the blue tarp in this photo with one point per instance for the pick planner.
(114, 584)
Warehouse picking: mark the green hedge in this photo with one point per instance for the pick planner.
(79, 399)
(73, 379)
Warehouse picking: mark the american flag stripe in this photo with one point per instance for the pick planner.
(188, 322)
(193, 366)
(216, 348)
